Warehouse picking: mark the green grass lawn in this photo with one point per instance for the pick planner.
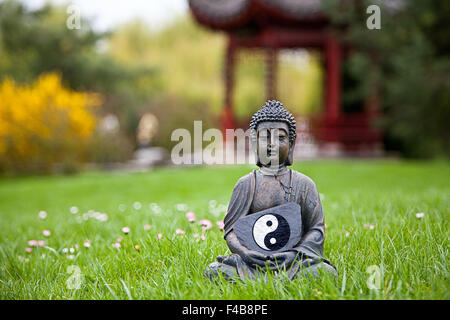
(370, 212)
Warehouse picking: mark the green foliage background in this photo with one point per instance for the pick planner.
(408, 61)
(176, 72)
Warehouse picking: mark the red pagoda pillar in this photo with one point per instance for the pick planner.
(271, 70)
(227, 118)
(332, 88)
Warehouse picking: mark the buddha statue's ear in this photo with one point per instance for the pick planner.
(290, 159)
(254, 146)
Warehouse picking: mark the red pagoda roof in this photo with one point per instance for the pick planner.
(232, 15)
(236, 14)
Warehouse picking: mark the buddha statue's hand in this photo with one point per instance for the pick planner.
(283, 258)
(252, 257)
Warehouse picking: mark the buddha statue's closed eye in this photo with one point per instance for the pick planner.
(273, 134)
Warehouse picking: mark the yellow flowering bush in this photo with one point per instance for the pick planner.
(44, 123)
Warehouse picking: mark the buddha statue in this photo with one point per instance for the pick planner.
(273, 134)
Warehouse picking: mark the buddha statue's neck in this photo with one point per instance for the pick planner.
(268, 171)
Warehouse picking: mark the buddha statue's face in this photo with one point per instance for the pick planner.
(273, 143)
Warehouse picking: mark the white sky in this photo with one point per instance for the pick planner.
(106, 14)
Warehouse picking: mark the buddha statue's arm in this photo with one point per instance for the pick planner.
(251, 257)
(311, 244)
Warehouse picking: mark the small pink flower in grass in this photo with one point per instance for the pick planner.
(116, 245)
(190, 216)
(119, 239)
(125, 230)
(147, 227)
(195, 235)
(28, 250)
(36, 243)
(369, 226)
(203, 237)
(46, 233)
(179, 231)
(205, 223)
(42, 214)
(220, 224)
(420, 215)
(159, 236)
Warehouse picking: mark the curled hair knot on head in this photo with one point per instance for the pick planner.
(273, 110)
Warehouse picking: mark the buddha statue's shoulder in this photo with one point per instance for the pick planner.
(244, 181)
(305, 182)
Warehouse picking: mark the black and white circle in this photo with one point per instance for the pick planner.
(271, 232)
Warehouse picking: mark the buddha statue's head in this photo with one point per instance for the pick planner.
(273, 134)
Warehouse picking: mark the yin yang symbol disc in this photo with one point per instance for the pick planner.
(271, 232)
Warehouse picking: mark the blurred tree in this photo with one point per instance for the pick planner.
(44, 124)
(408, 61)
(188, 82)
(36, 41)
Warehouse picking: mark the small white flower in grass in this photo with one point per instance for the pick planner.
(70, 257)
(74, 210)
(220, 224)
(181, 207)
(87, 243)
(116, 245)
(147, 227)
(102, 217)
(155, 208)
(42, 214)
(125, 230)
(119, 239)
(28, 250)
(71, 250)
(159, 236)
(137, 205)
(179, 231)
(65, 250)
(205, 223)
(212, 203)
(420, 215)
(46, 233)
(122, 207)
(369, 226)
(190, 216)
(347, 233)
